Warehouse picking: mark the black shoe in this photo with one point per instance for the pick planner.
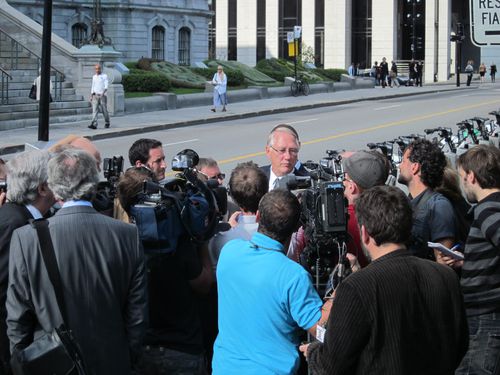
(106, 125)
(224, 110)
(92, 126)
(213, 109)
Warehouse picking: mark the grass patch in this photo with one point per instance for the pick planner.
(139, 94)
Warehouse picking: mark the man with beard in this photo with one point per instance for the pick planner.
(400, 314)
(421, 170)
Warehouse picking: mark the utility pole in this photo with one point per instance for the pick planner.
(43, 109)
(458, 39)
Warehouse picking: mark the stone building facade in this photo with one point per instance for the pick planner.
(172, 30)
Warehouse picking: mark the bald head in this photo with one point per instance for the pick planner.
(80, 143)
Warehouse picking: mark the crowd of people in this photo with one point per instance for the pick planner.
(242, 301)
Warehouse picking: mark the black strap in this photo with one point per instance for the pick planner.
(49, 258)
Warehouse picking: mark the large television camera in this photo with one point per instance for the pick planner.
(324, 219)
(182, 206)
(106, 190)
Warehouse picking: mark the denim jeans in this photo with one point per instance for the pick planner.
(157, 360)
(483, 356)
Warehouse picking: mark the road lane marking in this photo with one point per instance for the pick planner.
(301, 121)
(361, 131)
(390, 106)
(181, 142)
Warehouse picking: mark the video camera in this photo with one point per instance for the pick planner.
(324, 218)
(106, 190)
(181, 206)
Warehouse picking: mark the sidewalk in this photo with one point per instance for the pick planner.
(12, 141)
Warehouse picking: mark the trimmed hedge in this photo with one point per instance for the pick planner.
(234, 77)
(333, 74)
(146, 82)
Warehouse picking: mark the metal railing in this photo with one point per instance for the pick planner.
(4, 88)
(17, 52)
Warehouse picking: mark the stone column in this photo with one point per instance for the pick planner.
(221, 32)
(246, 38)
(437, 40)
(308, 23)
(338, 19)
(384, 29)
(272, 40)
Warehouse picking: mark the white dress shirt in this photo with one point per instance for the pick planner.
(99, 84)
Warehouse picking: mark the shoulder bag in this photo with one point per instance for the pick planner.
(54, 353)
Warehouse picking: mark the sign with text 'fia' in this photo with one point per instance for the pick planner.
(485, 22)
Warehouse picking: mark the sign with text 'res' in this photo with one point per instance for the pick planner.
(485, 22)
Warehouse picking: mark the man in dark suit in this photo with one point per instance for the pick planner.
(282, 150)
(101, 267)
(29, 197)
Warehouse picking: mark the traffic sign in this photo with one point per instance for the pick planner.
(289, 37)
(297, 30)
(485, 22)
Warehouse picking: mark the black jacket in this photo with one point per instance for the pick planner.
(12, 216)
(302, 171)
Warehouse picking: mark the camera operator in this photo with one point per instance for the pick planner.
(28, 198)
(264, 296)
(421, 170)
(362, 170)
(173, 341)
(146, 152)
(282, 150)
(399, 315)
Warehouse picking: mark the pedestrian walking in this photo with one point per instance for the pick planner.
(99, 97)
(469, 69)
(394, 74)
(220, 87)
(482, 72)
(493, 72)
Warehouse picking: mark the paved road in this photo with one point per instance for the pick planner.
(348, 126)
(343, 120)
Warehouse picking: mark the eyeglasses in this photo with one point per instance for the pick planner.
(219, 176)
(282, 151)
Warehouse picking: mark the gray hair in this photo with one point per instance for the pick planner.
(206, 163)
(285, 128)
(25, 173)
(73, 175)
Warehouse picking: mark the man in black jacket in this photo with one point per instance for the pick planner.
(29, 198)
(398, 315)
(282, 149)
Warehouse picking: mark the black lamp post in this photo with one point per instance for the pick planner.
(97, 30)
(43, 109)
(458, 38)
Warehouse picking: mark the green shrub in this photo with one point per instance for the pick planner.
(208, 73)
(251, 75)
(332, 74)
(274, 74)
(146, 82)
(179, 76)
(145, 63)
(131, 64)
(235, 78)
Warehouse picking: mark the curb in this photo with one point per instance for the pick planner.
(179, 124)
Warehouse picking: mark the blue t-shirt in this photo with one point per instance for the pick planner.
(264, 300)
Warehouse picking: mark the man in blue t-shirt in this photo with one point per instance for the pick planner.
(265, 298)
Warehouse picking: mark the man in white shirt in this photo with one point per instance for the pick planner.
(98, 97)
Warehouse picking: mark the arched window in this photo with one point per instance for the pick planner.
(78, 34)
(158, 43)
(184, 46)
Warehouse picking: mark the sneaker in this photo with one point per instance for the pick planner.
(107, 125)
(92, 126)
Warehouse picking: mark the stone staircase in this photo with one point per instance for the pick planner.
(20, 111)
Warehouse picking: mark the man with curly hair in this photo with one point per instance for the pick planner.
(422, 171)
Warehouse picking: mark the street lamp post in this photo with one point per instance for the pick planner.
(43, 110)
(458, 38)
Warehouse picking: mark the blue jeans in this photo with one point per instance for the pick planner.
(157, 360)
(483, 356)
